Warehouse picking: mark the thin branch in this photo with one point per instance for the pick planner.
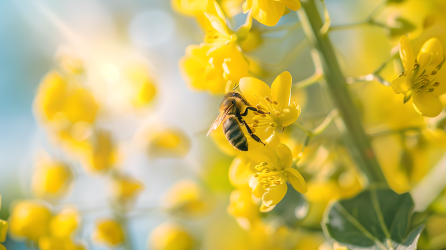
(327, 22)
(321, 128)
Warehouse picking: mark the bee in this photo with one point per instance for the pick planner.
(232, 117)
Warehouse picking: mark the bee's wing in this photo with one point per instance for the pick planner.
(220, 118)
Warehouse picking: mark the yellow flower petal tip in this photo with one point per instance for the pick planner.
(268, 12)
(169, 236)
(419, 79)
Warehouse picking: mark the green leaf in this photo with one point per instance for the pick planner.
(290, 210)
(377, 218)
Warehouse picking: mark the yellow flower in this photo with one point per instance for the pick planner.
(60, 100)
(51, 179)
(140, 85)
(2, 247)
(54, 243)
(243, 208)
(218, 63)
(419, 76)
(241, 170)
(186, 198)
(125, 188)
(276, 101)
(198, 7)
(65, 223)
(99, 152)
(270, 182)
(171, 237)
(269, 12)
(167, 143)
(3, 230)
(29, 220)
(108, 232)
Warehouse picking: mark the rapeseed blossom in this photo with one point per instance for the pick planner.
(273, 173)
(419, 78)
(274, 100)
(269, 12)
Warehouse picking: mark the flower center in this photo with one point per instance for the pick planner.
(269, 175)
(266, 121)
(424, 81)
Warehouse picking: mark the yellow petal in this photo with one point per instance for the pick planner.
(407, 56)
(401, 85)
(65, 223)
(266, 209)
(267, 12)
(292, 4)
(427, 104)
(274, 194)
(213, 8)
(289, 115)
(432, 46)
(240, 171)
(257, 188)
(171, 237)
(296, 180)
(3, 230)
(253, 89)
(218, 24)
(108, 232)
(285, 155)
(281, 89)
(265, 154)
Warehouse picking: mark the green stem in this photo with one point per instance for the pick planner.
(357, 140)
(121, 218)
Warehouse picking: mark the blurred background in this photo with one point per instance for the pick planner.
(158, 137)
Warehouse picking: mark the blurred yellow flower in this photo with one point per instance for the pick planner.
(62, 100)
(167, 143)
(170, 237)
(198, 7)
(142, 88)
(3, 230)
(243, 208)
(29, 220)
(108, 232)
(51, 179)
(187, 198)
(54, 243)
(419, 76)
(276, 101)
(125, 188)
(268, 12)
(241, 170)
(64, 224)
(2, 247)
(99, 153)
(218, 63)
(270, 182)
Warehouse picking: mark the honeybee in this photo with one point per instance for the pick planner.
(231, 115)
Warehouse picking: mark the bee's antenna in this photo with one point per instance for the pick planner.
(235, 87)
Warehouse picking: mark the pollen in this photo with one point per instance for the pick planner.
(277, 113)
(436, 84)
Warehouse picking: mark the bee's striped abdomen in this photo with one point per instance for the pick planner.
(234, 134)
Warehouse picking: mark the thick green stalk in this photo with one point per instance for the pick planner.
(357, 140)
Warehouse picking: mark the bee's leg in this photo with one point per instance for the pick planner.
(255, 137)
(253, 109)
